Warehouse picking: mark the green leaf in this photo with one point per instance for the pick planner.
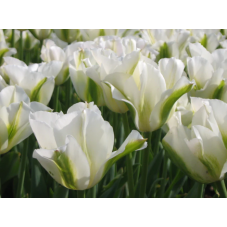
(197, 191)
(38, 184)
(9, 166)
(61, 192)
(177, 187)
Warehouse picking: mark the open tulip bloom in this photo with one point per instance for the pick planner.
(76, 148)
(149, 91)
(15, 107)
(199, 150)
(37, 80)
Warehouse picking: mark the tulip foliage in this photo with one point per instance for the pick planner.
(113, 113)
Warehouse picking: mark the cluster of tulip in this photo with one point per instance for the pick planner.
(81, 93)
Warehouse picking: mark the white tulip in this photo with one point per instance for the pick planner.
(91, 34)
(37, 80)
(15, 107)
(4, 49)
(149, 92)
(68, 35)
(50, 52)
(76, 148)
(41, 34)
(200, 151)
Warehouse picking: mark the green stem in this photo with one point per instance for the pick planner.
(81, 194)
(201, 191)
(61, 192)
(164, 173)
(175, 180)
(68, 93)
(21, 46)
(41, 44)
(22, 168)
(145, 161)
(221, 189)
(56, 96)
(94, 192)
(27, 57)
(156, 141)
(12, 38)
(128, 158)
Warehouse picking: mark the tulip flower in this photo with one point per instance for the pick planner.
(168, 42)
(76, 148)
(4, 49)
(208, 82)
(148, 91)
(50, 52)
(68, 35)
(41, 34)
(91, 34)
(209, 38)
(28, 40)
(200, 151)
(15, 107)
(37, 80)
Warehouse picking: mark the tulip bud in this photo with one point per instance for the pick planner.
(78, 151)
(41, 34)
(15, 107)
(68, 35)
(200, 151)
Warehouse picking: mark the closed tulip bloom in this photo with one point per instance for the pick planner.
(199, 150)
(76, 148)
(91, 34)
(50, 52)
(15, 107)
(41, 34)
(148, 90)
(37, 80)
(68, 35)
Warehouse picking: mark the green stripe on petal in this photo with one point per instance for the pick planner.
(12, 129)
(94, 92)
(179, 162)
(163, 108)
(66, 169)
(130, 147)
(35, 92)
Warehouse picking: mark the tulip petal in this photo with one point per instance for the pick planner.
(45, 159)
(133, 142)
(175, 143)
(161, 111)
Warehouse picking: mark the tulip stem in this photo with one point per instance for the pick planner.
(128, 158)
(93, 192)
(80, 194)
(145, 160)
(56, 96)
(22, 169)
(221, 189)
(21, 46)
(12, 38)
(157, 140)
(68, 93)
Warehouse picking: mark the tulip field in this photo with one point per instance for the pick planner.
(113, 113)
